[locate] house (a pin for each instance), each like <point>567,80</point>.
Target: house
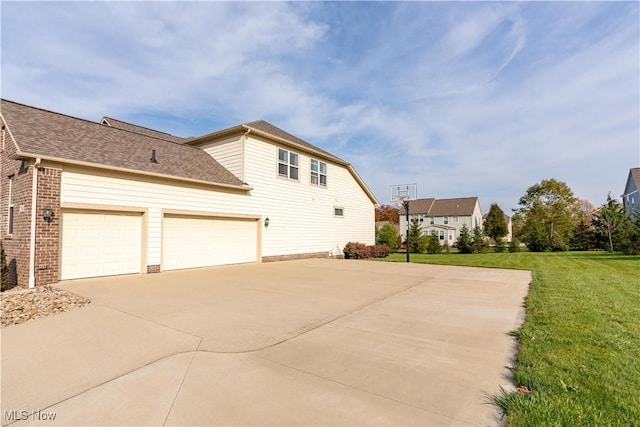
<point>83,199</point>
<point>631,196</point>
<point>443,216</point>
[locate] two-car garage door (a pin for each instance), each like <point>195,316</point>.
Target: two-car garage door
<point>96,243</point>
<point>190,241</point>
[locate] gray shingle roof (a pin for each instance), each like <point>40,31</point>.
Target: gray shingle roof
<point>52,135</point>
<point>635,174</point>
<point>266,127</point>
<point>119,124</point>
<point>443,207</point>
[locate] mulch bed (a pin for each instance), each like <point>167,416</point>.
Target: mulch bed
<point>19,305</point>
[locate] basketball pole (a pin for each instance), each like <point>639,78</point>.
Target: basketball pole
<point>406,210</point>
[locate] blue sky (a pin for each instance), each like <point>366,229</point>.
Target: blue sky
<point>465,99</point>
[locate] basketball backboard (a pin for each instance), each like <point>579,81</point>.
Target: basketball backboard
<point>401,192</point>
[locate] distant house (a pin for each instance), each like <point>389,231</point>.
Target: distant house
<point>445,217</point>
<point>84,199</point>
<point>631,196</point>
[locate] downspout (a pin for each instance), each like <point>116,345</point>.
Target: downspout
<point>244,139</point>
<point>34,211</point>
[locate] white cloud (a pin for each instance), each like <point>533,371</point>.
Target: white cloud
<point>464,98</point>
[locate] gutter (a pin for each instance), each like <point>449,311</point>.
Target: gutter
<point>20,155</point>
<point>34,211</point>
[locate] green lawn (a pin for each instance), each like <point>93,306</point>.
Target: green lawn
<point>579,352</point>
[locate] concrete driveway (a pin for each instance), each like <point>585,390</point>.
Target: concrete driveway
<point>311,342</point>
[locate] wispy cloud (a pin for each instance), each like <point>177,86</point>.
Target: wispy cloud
<point>478,99</point>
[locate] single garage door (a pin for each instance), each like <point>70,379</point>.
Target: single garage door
<point>189,242</point>
<point>100,244</point>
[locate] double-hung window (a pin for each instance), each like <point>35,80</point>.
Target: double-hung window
<point>318,173</point>
<point>12,191</point>
<point>287,164</point>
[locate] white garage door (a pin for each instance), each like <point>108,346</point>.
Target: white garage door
<point>189,242</point>
<point>100,244</point>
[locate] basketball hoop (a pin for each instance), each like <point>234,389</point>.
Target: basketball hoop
<point>401,194</point>
<point>400,200</point>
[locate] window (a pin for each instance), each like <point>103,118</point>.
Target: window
<point>441,234</point>
<point>446,220</point>
<point>338,212</point>
<point>287,164</point>
<point>455,219</point>
<point>318,173</point>
<point>11,201</point>
<point>431,220</point>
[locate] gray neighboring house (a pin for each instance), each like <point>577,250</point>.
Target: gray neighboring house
<point>631,195</point>
<point>444,216</point>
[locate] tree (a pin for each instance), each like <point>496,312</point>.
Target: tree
<point>608,219</point>
<point>417,241</point>
<point>433,243</point>
<point>549,215</point>
<point>388,213</point>
<point>388,235</point>
<point>629,234</point>
<point>479,245</point>
<point>584,237</point>
<point>464,240</point>
<point>495,226</point>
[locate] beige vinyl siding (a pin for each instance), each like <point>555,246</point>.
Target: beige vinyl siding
<point>102,189</point>
<point>228,153</point>
<point>301,214</point>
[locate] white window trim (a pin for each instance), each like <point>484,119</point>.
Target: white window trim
<point>318,173</point>
<point>289,164</point>
<point>11,206</point>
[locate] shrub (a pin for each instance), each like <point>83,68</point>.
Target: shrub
<point>4,270</point>
<point>500,245</point>
<point>355,250</point>
<point>514,245</point>
<point>380,251</point>
<point>479,245</point>
<point>433,244</point>
<point>464,241</point>
<point>629,236</point>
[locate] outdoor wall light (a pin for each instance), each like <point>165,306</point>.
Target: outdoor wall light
<point>266,222</point>
<point>47,213</point>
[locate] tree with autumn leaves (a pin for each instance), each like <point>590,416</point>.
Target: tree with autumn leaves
<point>388,213</point>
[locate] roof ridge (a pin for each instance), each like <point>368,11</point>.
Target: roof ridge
<point>138,126</point>
<point>96,123</point>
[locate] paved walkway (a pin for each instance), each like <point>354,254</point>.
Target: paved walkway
<point>311,342</point>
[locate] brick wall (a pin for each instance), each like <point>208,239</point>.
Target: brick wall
<point>16,245</point>
<point>48,232</point>
<point>153,268</point>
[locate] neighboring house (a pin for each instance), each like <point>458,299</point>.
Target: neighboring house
<point>631,196</point>
<point>444,217</point>
<point>84,199</point>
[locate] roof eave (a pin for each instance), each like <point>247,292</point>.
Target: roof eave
<point>23,155</point>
